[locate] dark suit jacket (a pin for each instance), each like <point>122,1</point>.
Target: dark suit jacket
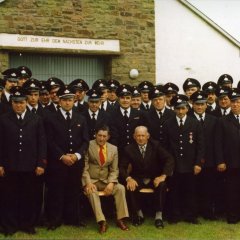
<point>156,124</point>
<point>63,139</point>
<point>217,112</point>
<point>102,119</point>
<point>82,107</point>
<point>40,111</point>
<point>23,145</point>
<point>142,107</point>
<point>209,130</point>
<point>227,141</point>
<point>186,144</point>
<point>122,131</point>
<point>157,161</point>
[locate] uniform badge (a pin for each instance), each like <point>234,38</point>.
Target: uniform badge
<point>191,137</point>
<point>78,125</point>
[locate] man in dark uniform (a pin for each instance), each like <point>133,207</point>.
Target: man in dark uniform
<point>206,180</point>
<point>184,140</point>
<point>80,87</point>
<point>44,97</point>
<point>10,79</point>
<point>159,114</point>
<point>136,98</point>
<point>151,165</point>
<point>190,86</point>
<point>210,89</point>
<point>227,141</point>
<point>24,74</point>
<point>145,87</point>
<point>223,102</point>
<point>225,80</point>
<point>101,85</point>
<point>170,90</point>
<point>67,137</point>
<point>53,85</point>
<point>22,160</point>
<point>93,115</point>
<point>32,87</point>
<point>112,86</point>
<point>125,119</point>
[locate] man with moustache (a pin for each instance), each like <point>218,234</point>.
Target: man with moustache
<point>136,98</point>
<point>145,87</point>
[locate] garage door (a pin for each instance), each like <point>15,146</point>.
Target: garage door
<point>65,67</point>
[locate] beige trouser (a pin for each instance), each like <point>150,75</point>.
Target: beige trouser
<point>119,197</point>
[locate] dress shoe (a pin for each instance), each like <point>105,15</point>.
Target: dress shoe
<point>53,226</point>
<point>192,221</point>
<point>137,221</point>
<point>103,227</point>
<point>30,230</point>
<point>120,223</point>
<point>159,223</point>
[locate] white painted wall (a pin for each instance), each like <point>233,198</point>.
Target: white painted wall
<point>186,46</point>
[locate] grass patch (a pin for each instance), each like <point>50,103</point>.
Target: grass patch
<point>218,230</point>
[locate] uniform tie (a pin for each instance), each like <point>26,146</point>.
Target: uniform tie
<point>201,119</point>
<point>181,123</point>
<point>237,117</point>
<point>93,116</point>
<point>126,115</point>
<point>160,114</point>
<point>34,110</point>
<point>101,155</point>
<point>20,119</point>
<point>147,106</point>
<point>224,112</point>
<point>68,119</point>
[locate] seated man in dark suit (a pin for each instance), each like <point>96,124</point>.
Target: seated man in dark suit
<point>151,165</point>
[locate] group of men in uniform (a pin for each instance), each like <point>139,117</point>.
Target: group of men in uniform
<point>124,138</point>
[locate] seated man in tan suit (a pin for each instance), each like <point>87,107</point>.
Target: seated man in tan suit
<point>101,174</point>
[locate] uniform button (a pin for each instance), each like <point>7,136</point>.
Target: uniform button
<point>127,130</point>
<point>160,132</point>
<point>20,130</point>
<point>127,136</point>
<point>69,130</point>
<point>20,150</point>
<point>160,126</point>
<point>70,149</point>
<point>127,142</point>
<point>20,136</point>
<point>180,135</point>
<point>181,154</point>
<point>70,136</point>
<point>20,143</point>
<point>180,141</point>
<point>71,143</point>
<point>181,148</point>
<point>127,124</point>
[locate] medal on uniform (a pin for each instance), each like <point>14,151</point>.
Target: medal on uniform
<point>191,137</point>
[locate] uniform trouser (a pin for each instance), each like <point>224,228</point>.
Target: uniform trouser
<point>18,201</point>
<point>206,185</point>
<point>119,197</point>
<point>158,198</point>
<point>62,200</point>
<point>182,196</point>
<point>233,193</point>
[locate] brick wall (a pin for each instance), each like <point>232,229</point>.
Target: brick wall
<point>130,21</point>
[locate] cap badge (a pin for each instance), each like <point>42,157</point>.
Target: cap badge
<point>52,83</point>
<point>66,91</point>
<point>124,90</point>
<point>100,85</point>
<point>79,84</point>
<point>221,91</point>
<point>199,97</point>
<point>23,71</point>
<point>13,75</point>
<point>156,91</point>
<point>189,83</point>
<point>234,94</point>
<point>112,85</point>
<point>32,85</point>
<point>17,93</point>
<point>145,86</point>
<point>225,79</point>
<point>135,91</point>
<point>170,88</point>
<point>210,87</point>
<point>94,95</point>
<point>179,100</point>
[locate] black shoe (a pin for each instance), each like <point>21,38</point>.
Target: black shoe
<point>137,221</point>
<point>30,230</point>
<point>159,223</point>
<point>53,226</point>
<point>192,221</point>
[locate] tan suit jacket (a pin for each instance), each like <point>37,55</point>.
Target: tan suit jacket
<point>94,172</point>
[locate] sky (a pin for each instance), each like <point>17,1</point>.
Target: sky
<point>225,13</point>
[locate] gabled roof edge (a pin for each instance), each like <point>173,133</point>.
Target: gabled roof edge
<point>210,22</point>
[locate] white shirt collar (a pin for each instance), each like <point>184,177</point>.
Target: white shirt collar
<point>30,107</point>
<point>148,103</point>
<point>7,94</point>
<point>96,113</point>
<point>198,117</point>
<point>64,113</point>
<point>22,115</point>
<point>183,119</point>
<point>123,111</point>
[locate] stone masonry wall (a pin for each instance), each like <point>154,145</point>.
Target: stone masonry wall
<point>130,21</point>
